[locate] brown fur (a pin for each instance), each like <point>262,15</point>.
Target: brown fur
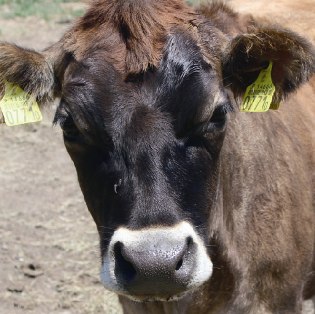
<point>27,68</point>
<point>252,51</point>
<point>298,15</point>
<point>277,221</point>
<point>264,233</point>
<point>225,19</point>
<point>263,225</point>
<point>133,32</point>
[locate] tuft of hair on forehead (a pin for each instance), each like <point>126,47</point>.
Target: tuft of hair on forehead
<point>133,30</point>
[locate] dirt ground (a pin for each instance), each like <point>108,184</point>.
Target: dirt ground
<point>49,258</point>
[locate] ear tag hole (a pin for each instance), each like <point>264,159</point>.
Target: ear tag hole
<point>18,107</point>
<point>258,95</point>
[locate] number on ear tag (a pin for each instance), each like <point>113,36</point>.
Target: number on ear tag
<point>258,95</point>
<point>18,107</point>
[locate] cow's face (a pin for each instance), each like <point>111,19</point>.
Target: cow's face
<point>147,146</point>
<point>146,152</point>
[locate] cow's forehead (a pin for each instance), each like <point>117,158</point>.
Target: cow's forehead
<point>98,95</point>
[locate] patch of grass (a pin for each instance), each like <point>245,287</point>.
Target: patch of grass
<point>193,1</point>
<point>46,9</point>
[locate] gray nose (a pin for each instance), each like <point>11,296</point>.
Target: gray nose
<point>160,266</point>
<point>156,263</point>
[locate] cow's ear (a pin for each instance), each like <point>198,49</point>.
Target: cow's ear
<point>34,72</point>
<point>292,56</point>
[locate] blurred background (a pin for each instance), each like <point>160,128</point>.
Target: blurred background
<point>49,255</point>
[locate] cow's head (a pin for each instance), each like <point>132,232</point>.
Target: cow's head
<point>144,107</point>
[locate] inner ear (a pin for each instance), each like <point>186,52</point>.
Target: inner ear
<point>292,56</point>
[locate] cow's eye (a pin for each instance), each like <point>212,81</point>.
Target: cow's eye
<point>218,120</point>
<point>65,120</point>
<point>70,131</point>
<point>215,124</point>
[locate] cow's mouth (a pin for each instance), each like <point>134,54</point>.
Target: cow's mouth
<point>156,264</point>
<point>156,298</point>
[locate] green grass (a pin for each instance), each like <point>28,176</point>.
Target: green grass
<point>46,9</point>
<point>194,1</point>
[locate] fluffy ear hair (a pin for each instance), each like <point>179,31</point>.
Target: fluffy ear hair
<point>36,73</point>
<point>293,60</point>
<point>28,69</point>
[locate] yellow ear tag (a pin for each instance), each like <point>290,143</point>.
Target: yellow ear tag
<point>18,107</point>
<point>258,95</point>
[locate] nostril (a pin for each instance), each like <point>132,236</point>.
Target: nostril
<point>179,264</point>
<point>189,243</point>
<point>124,270</point>
<point>185,253</point>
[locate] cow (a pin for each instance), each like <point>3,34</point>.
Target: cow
<point>200,208</point>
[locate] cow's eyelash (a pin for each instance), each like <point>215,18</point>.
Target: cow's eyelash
<point>59,119</point>
<point>65,121</point>
<point>227,107</point>
<point>216,122</point>
<point>61,114</point>
<point>63,117</point>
